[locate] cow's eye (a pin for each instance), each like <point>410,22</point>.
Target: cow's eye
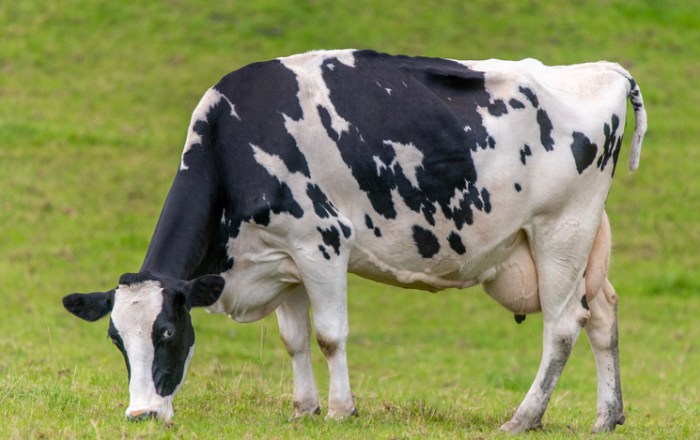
<point>168,333</point>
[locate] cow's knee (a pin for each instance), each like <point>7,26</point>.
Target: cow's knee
<point>332,339</point>
<point>328,344</point>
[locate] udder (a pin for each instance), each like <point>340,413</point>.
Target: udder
<point>514,284</point>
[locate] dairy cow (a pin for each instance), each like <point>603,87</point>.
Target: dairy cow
<point>419,172</point>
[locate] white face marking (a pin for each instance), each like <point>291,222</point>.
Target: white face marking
<point>135,310</point>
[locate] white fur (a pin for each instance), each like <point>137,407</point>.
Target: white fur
<point>135,309</point>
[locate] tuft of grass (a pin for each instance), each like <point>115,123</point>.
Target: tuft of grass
<point>95,102</point>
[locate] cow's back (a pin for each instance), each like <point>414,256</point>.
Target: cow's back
<point>429,166</point>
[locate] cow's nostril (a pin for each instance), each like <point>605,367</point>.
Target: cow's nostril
<point>140,415</point>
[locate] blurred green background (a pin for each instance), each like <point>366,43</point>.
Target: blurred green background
<point>95,100</point>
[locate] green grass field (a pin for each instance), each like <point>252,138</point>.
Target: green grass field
<point>95,100</point>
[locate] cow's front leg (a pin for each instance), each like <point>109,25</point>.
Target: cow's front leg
<point>602,335</point>
<point>330,311</point>
<point>295,331</point>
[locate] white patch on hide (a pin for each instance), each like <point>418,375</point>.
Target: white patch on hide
<point>271,162</point>
<point>386,89</point>
<point>457,199</point>
<point>209,100</point>
<point>410,158</point>
<point>308,68</point>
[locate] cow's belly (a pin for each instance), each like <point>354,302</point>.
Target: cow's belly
<point>265,268</point>
<point>431,279</point>
<point>391,263</point>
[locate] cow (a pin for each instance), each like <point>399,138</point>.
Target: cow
<point>417,172</point>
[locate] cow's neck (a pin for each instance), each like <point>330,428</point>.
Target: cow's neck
<point>187,227</point>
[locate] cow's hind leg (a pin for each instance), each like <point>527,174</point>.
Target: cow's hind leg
<point>602,331</point>
<point>560,334</point>
<point>560,257</point>
<point>295,331</point>
<point>602,335</point>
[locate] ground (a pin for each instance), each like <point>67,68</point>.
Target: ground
<point>96,102</point>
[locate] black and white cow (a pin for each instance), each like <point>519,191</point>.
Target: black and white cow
<point>418,172</point>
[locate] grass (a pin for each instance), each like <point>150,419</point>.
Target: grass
<point>95,99</point>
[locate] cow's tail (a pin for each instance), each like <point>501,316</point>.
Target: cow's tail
<point>640,123</point>
<point>640,118</point>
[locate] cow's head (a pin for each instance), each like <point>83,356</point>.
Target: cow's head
<point>150,325</point>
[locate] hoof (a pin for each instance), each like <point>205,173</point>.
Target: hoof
<point>607,424</point>
<point>515,426</point>
<point>300,412</point>
<point>142,415</point>
<point>342,415</point>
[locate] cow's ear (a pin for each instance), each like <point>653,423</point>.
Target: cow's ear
<point>89,306</point>
<point>204,291</point>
